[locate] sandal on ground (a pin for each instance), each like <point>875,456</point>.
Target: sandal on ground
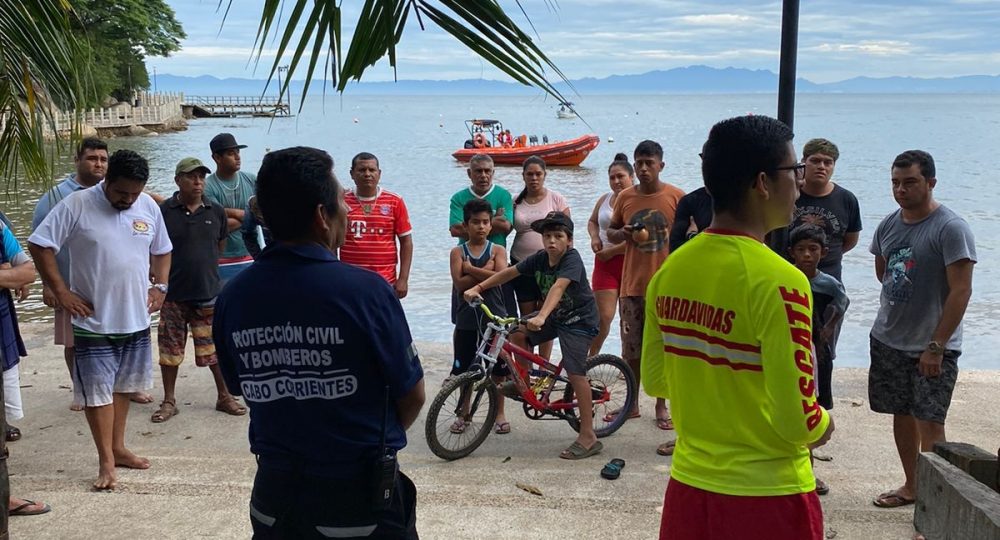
<point>822,488</point>
<point>610,417</point>
<point>666,424</point>
<point>501,428</point>
<point>140,397</point>
<point>229,405</point>
<point>168,409</point>
<point>13,434</point>
<point>25,508</point>
<point>458,427</point>
<point>613,469</point>
<point>577,451</point>
<point>892,499</point>
<point>666,449</point>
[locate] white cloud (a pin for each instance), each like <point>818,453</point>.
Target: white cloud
<point>869,47</point>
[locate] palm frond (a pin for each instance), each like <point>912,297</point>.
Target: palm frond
<point>480,25</point>
<point>37,77</point>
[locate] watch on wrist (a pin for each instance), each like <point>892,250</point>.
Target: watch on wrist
<point>935,347</point>
<point>162,287</point>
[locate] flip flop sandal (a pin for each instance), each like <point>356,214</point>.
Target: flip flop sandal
<point>577,451</point>
<point>166,411</point>
<point>613,469</point>
<point>666,449</point>
<point>666,424</point>
<point>458,427</point>
<point>892,499</point>
<point>501,428</point>
<point>13,434</point>
<point>822,488</point>
<point>610,417</point>
<point>22,510</point>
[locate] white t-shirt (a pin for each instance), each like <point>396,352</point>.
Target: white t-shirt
<point>110,251</point>
<point>526,241</point>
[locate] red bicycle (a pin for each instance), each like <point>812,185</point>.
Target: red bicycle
<point>462,414</point>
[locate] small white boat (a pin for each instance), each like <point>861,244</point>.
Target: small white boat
<point>565,111</point>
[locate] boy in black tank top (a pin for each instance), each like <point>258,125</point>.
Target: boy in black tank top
<point>471,263</point>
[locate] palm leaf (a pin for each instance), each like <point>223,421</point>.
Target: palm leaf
<point>37,77</point>
<point>481,25</point>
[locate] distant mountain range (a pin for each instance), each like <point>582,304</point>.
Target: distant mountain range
<point>686,80</point>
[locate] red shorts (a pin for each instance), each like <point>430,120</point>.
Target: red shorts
<point>607,274</point>
<point>690,513</point>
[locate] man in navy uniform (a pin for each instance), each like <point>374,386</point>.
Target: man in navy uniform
<point>322,353</point>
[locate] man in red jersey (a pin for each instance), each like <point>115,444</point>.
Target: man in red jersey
<point>376,218</point>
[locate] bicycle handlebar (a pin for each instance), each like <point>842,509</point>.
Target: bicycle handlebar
<point>478,302</point>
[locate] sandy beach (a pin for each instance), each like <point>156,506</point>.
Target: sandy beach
<point>202,471</point>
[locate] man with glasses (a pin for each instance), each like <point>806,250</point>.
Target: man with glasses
<point>725,312</point>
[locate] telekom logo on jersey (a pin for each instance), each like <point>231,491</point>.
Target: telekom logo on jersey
<point>800,327</point>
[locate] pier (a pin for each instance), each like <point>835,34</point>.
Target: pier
<point>231,106</point>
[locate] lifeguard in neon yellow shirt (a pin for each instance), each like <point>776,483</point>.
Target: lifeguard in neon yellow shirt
<point>727,340</point>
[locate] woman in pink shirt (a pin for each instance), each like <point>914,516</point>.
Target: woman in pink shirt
<point>533,203</point>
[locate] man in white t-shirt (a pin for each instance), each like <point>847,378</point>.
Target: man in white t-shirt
<point>115,235</point>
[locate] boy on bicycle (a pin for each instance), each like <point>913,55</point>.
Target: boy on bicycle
<point>568,313</point>
<point>472,262</point>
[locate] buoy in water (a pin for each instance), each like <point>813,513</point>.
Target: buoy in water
<point>611,139</point>
<point>355,120</point>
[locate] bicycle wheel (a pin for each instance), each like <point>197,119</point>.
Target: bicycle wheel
<point>468,399</point>
<point>610,373</point>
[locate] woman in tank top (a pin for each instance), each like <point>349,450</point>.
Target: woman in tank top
<point>533,203</point>
<point>608,257</point>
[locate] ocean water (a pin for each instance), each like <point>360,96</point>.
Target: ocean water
<point>415,136</point>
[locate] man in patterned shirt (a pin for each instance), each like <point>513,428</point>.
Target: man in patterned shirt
<point>376,218</point>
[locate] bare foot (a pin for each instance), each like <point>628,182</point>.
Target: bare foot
<point>75,407</point>
<point>141,397</point>
<point>106,479</point>
<point>125,458</point>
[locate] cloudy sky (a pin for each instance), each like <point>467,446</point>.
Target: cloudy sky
<point>838,39</point>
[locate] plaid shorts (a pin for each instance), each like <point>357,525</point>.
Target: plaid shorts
<point>896,387</point>
<point>175,317</point>
<point>108,364</point>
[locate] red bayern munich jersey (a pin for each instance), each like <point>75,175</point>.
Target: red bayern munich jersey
<point>372,227</point>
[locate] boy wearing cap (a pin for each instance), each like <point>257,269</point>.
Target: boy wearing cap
<point>569,313</point>
<point>197,230</point>
<point>230,188</point>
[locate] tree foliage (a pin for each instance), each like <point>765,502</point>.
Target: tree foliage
<point>120,35</point>
<point>38,72</point>
<point>480,25</point>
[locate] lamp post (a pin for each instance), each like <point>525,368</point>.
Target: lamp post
<point>777,240</point>
<point>281,91</point>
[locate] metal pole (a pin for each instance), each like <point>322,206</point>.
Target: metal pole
<point>789,52</point>
<point>778,239</point>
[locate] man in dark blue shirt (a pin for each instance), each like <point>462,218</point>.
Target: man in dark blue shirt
<point>322,353</point>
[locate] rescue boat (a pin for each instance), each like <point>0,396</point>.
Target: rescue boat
<point>490,138</point>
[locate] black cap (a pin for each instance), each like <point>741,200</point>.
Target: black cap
<point>224,141</point>
<point>553,218</point>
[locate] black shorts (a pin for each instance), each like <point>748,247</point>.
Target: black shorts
<point>526,288</point>
<point>466,344</point>
<point>824,382</point>
<point>574,345</point>
<point>896,387</point>
<point>305,506</point>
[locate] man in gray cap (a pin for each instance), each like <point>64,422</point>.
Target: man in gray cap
<point>230,188</point>
<point>197,229</point>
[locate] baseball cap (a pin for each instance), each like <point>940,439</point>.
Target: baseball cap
<point>553,218</point>
<point>189,164</point>
<point>224,141</point>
